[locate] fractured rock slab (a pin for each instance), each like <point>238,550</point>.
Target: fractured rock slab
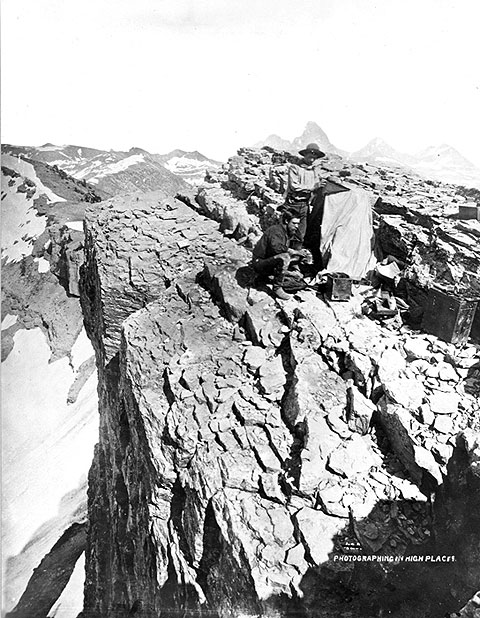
<point>318,532</point>
<point>353,456</point>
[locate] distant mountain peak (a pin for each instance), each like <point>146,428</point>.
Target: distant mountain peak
<point>312,132</point>
<point>313,127</point>
<point>378,141</point>
<point>137,150</point>
<point>442,162</point>
<point>378,150</point>
<point>439,150</point>
<point>275,141</point>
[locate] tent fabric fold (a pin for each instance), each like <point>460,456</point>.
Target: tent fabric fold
<point>347,238</point>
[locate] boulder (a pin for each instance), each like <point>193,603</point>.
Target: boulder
<point>397,422</point>
<point>318,532</point>
<point>352,457</point>
<point>443,403</point>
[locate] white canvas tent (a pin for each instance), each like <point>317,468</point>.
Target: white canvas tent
<point>347,238</point>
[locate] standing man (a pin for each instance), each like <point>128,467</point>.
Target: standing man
<point>273,254</point>
<point>303,180</point>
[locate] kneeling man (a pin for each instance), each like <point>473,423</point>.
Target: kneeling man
<point>272,255</point>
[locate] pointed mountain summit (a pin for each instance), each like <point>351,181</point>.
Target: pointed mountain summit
<point>136,150</point>
<point>379,152</point>
<point>179,153</point>
<point>311,133</point>
<point>445,163</point>
<point>275,141</point>
<point>442,162</point>
<point>443,155</point>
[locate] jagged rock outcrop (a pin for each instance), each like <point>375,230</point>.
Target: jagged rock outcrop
<point>416,221</point>
<point>425,212</point>
<point>47,226</point>
<point>49,411</point>
<point>243,441</point>
<point>40,302</point>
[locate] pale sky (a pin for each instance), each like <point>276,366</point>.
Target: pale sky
<point>214,75</point>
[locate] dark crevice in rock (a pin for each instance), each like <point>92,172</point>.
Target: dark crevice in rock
<point>231,595</point>
<point>177,513</point>
<point>167,389</point>
<point>212,549</point>
<point>176,600</point>
<point>293,465</point>
<point>124,427</point>
<point>209,281</point>
<point>222,445</point>
<point>121,494</point>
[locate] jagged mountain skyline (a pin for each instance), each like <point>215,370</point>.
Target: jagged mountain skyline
<point>110,170</point>
<point>222,81</point>
<point>441,162</point>
<point>101,168</point>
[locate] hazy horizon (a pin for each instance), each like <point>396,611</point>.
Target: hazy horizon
<point>215,76</point>
<point>207,154</point>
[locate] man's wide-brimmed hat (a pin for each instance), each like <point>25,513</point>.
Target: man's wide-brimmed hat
<point>312,148</point>
<point>288,214</point>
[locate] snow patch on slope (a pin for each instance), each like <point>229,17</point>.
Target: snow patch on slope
<point>85,173</point>
<point>114,168</point>
<point>81,351</point>
<point>21,224</point>
<point>47,443</point>
<point>178,164</point>
<point>50,148</point>
<point>27,170</point>
<point>191,170</point>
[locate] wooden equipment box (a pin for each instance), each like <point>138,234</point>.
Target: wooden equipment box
<point>448,316</point>
<point>470,210</point>
<point>338,286</point>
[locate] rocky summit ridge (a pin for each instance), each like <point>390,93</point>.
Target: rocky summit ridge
<point>248,444</point>
<point>251,449</point>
